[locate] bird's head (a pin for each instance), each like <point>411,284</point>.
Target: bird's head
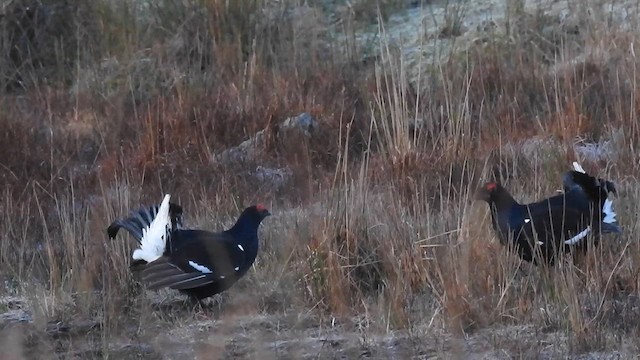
<point>488,192</point>
<point>249,221</point>
<point>255,214</point>
<point>261,211</point>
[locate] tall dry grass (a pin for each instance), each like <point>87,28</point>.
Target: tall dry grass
<point>375,228</point>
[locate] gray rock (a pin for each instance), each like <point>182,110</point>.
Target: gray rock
<point>14,311</point>
<point>604,150</point>
<point>303,124</point>
<point>15,316</point>
<point>245,151</point>
<point>274,178</point>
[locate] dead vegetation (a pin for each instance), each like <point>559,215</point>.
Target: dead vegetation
<point>376,250</point>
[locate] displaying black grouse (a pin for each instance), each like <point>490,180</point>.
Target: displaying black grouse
<point>195,262</point>
<point>539,231</point>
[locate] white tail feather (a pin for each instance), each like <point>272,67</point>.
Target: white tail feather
<point>154,237</point>
<point>578,168</point>
<point>609,214</point>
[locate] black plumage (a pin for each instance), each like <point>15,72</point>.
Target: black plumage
<point>541,230</point>
<point>195,262</point>
<point>592,194</point>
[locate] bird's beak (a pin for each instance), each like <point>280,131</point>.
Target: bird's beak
<point>266,213</point>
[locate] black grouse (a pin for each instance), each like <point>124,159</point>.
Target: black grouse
<point>196,262</point>
<point>540,230</point>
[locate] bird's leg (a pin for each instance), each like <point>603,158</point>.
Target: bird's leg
<point>200,308</point>
<point>195,303</point>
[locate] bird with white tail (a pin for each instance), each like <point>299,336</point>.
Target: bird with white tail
<point>558,224</point>
<point>198,263</point>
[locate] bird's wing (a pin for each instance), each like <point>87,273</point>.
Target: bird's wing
<point>163,273</point>
<point>553,224</point>
<point>196,263</point>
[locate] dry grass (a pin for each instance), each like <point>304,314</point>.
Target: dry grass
<point>376,249</point>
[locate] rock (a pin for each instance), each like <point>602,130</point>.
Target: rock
<point>15,316</point>
<point>290,130</point>
<point>487,25</point>
<point>535,148</point>
<point>603,150</point>
<point>243,152</point>
<point>275,178</point>
<point>303,124</point>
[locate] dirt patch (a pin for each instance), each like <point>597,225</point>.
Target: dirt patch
<point>210,334</point>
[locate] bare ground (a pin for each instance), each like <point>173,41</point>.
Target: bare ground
<point>174,329</point>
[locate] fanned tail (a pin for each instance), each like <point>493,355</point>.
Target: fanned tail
<point>151,227</point>
<point>142,219</point>
<point>609,222</point>
<point>598,190</point>
<point>154,237</point>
